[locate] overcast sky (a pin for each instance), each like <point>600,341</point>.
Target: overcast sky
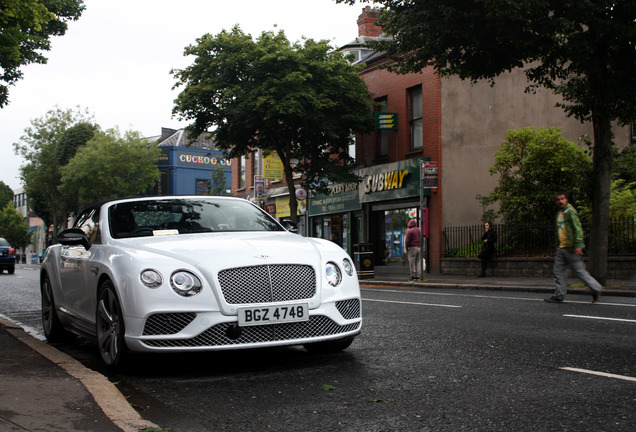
<point>116,59</point>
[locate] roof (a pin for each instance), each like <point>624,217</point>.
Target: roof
<point>181,138</point>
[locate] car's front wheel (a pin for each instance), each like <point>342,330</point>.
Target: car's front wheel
<point>53,329</point>
<point>330,346</point>
<point>110,326</point>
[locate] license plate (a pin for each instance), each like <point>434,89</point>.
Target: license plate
<point>262,315</point>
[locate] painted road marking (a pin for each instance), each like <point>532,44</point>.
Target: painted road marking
<point>402,290</point>
<point>603,374</point>
<point>600,318</point>
<point>412,303</point>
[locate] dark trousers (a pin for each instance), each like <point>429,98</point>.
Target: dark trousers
<point>485,257</point>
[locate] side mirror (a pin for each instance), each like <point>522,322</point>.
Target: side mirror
<point>290,226</point>
<point>74,237</point>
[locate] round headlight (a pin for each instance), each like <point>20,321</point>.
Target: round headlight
<point>151,278</point>
<point>333,274</point>
<point>185,283</point>
<point>348,267</point>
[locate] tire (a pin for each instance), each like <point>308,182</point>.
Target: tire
<point>329,347</point>
<point>11,270</point>
<point>53,328</point>
<point>110,329</point>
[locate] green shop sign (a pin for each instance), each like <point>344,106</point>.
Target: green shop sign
<point>391,181</point>
<point>379,183</point>
<point>342,197</point>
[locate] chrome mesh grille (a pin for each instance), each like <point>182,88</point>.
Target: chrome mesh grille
<point>267,283</point>
<point>349,309</point>
<point>216,335</point>
<point>167,323</point>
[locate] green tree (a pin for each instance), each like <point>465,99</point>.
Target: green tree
<point>111,165</point>
<point>13,227</point>
<point>624,166</point>
<point>6,194</point>
<point>218,185</point>
<point>40,146</point>
<point>25,29</point>
<point>533,164</point>
<point>623,199</point>
<point>582,51</point>
<point>303,101</point>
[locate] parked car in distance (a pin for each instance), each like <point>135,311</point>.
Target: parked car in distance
<point>195,273</point>
<point>7,257</point>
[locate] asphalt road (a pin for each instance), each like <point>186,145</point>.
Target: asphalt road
<point>428,360</point>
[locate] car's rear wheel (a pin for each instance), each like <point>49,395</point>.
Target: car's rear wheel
<point>11,270</point>
<point>53,329</point>
<point>331,346</point>
<point>110,326</point>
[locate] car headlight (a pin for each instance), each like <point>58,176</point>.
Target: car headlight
<point>185,283</point>
<point>333,274</point>
<point>151,278</point>
<point>348,267</point>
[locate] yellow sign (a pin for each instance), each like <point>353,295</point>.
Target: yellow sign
<point>272,167</point>
<point>282,206</point>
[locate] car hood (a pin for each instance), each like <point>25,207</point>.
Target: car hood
<point>225,250</point>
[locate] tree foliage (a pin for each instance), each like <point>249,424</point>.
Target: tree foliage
<point>582,51</point>
<point>42,150</point>
<point>26,27</point>
<point>303,101</point>
<point>13,227</point>
<point>6,194</point>
<point>110,165</point>
<point>533,164</point>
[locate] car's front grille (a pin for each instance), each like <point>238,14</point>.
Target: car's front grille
<point>267,283</point>
<point>167,323</point>
<point>217,335</point>
<point>349,309</point>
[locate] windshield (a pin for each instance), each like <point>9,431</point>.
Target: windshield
<point>186,216</point>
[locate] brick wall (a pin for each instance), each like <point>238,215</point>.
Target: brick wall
<point>623,268</point>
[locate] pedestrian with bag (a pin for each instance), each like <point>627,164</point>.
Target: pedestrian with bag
<point>569,237</point>
<point>489,238</point>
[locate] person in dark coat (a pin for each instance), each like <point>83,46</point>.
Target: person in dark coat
<point>488,247</point>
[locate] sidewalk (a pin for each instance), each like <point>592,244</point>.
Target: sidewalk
<point>625,288</point>
<point>43,389</point>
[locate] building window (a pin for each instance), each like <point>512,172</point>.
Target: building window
<point>383,134</point>
<point>352,148</point>
<point>415,117</point>
<point>241,184</point>
<point>203,187</point>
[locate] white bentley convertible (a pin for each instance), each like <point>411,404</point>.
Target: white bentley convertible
<point>187,273</point>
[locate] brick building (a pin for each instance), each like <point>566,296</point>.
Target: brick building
<point>454,123</point>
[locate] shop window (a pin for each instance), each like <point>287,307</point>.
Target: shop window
<point>415,117</point>
<point>203,187</point>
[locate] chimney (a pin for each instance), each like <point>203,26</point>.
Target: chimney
<point>366,22</point>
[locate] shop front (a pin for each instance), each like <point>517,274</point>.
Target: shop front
<point>337,216</point>
<point>373,212</point>
<point>390,196</point>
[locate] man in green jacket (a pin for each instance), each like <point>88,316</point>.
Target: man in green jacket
<point>570,241</point>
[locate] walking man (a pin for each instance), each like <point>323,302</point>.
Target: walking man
<point>570,240</point>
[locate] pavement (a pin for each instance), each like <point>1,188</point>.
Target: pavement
<point>44,389</point>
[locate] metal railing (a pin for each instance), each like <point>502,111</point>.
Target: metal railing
<point>533,240</point>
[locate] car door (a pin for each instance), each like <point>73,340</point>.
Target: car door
<point>77,269</point>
